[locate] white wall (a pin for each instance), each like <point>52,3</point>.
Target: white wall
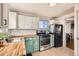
<point>68,27</point>
<point>52,21</point>
<point>76,9</point>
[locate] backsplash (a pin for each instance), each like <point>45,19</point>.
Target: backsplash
<point>22,32</point>
<point>3,30</point>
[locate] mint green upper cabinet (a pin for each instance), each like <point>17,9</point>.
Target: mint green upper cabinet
<point>36,43</point>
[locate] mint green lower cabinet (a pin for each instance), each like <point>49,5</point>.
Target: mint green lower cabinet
<point>52,40</point>
<point>32,44</point>
<point>29,45</point>
<point>36,43</point>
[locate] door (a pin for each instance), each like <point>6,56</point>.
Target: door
<point>12,20</point>
<point>35,22</point>
<point>78,33</point>
<point>21,21</point>
<point>29,45</point>
<point>24,22</point>
<point>36,43</point>
<point>70,34</point>
<point>28,22</point>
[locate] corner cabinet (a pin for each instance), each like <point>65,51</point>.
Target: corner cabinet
<point>32,44</point>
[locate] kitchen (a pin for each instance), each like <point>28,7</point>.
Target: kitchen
<point>24,32</point>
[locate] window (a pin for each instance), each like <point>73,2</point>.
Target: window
<point>43,24</point>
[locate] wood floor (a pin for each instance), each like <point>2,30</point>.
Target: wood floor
<point>61,51</point>
<point>70,44</point>
<point>17,49</point>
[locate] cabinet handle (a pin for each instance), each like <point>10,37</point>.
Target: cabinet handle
<point>5,21</point>
<point>77,38</point>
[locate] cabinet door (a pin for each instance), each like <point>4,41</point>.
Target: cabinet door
<point>0,14</point>
<point>35,22</point>
<point>28,22</point>
<point>77,35</point>
<point>5,14</point>
<point>21,21</point>
<point>12,20</point>
<point>24,22</point>
<point>29,45</point>
<point>36,43</point>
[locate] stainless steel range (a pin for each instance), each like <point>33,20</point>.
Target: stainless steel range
<point>44,39</point>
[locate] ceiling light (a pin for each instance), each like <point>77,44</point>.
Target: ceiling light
<point>51,4</point>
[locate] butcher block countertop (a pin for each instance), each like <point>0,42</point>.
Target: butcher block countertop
<point>27,36</point>
<point>12,49</point>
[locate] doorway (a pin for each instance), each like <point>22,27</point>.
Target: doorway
<point>70,33</point>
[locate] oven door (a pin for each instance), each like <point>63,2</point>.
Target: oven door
<point>44,42</point>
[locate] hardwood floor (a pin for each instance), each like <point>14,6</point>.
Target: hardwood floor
<point>70,44</point>
<point>17,49</point>
<point>61,51</point>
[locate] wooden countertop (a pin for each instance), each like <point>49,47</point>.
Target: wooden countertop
<point>27,36</point>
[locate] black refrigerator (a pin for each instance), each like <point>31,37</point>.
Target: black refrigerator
<point>57,31</point>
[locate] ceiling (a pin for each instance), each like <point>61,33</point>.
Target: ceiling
<point>42,9</point>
